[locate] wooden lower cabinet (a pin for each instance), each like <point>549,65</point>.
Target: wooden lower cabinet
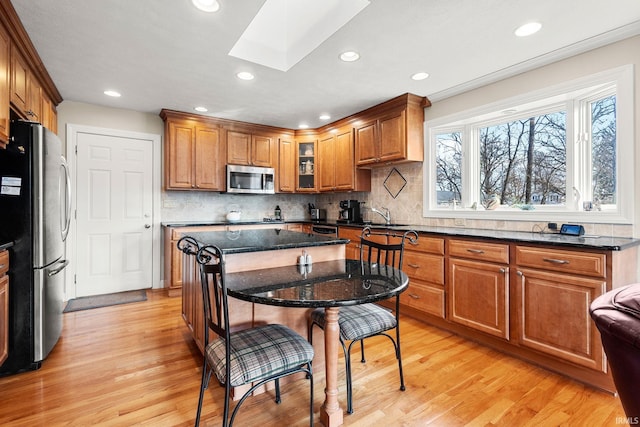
<point>530,301</point>
<point>553,316</point>
<point>554,289</point>
<point>424,264</point>
<point>478,286</point>
<point>478,296</point>
<point>4,305</point>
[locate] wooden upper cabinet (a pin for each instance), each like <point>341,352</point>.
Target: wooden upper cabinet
<point>287,169</point>
<point>250,150</point>
<point>19,82</point>
<point>262,148</point>
<point>209,168</point>
<point>392,132</point>
<point>26,90</point>
<point>194,155</point>
<point>5,85</point>
<point>336,165</point>
<point>238,148</point>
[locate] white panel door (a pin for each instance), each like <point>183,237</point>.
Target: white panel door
<point>114,213</point>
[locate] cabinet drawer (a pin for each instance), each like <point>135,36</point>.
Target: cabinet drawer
<point>576,262</point>
<point>4,262</point>
<point>423,297</point>
<point>425,244</point>
<point>475,250</point>
<point>429,268</point>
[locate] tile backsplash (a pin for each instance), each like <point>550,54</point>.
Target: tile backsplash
<point>406,208</point>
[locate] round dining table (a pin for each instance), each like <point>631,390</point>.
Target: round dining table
<point>329,284</point>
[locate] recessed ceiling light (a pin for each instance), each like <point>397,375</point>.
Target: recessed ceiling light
<point>528,29</point>
<point>112,93</point>
<point>349,56</point>
<point>420,76</point>
<point>324,117</point>
<point>206,5</point>
<point>303,126</point>
<point>201,109</point>
<point>245,75</point>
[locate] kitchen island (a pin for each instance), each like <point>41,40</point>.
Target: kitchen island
<point>247,250</point>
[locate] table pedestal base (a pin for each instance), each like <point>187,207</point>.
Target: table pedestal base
<point>331,413</point>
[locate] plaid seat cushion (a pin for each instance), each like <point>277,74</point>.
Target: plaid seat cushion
<point>359,321</point>
<point>259,352</point>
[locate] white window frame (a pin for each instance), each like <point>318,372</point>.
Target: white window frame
<point>570,96</point>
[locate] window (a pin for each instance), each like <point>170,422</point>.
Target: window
<point>558,151</point>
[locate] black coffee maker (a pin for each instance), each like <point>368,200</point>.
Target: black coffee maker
<point>350,212</point>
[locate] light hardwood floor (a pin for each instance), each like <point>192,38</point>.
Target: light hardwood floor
<point>135,364</point>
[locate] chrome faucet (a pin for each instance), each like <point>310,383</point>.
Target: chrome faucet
<point>386,216</point>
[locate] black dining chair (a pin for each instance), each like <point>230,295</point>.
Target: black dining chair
<point>358,322</point>
<point>251,356</point>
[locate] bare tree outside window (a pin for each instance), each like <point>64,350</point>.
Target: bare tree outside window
<point>603,150</point>
<point>523,162</point>
<point>449,168</point>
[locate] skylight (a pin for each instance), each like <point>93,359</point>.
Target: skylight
<point>285,31</point>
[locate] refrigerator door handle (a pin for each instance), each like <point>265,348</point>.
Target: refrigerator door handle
<point>67,216</point>
<point>63,263</point>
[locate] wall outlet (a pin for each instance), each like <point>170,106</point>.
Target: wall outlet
<point>460,222</point>
<point>552,225</point>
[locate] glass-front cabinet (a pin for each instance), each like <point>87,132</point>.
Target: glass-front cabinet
<point>306,166</point>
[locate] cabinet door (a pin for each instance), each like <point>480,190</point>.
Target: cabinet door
<point>326,163</point>
<point>262,151</point>
<point>393,144</point>
<point>554,316</point>
<point>19,84</point>
<point>209,166</point>
<point>179,173</point>
<point>5,86</point>
<point>34,105</point>
<point>238,148</point>
<point>287,166</point>
<point>306,175</point>
<point>344,165</point>
<point>478,296</point>
<point>367,143</point>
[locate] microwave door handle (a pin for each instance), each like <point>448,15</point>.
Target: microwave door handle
<point>264,181</point>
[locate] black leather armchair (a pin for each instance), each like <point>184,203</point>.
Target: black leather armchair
<point>617,317</point>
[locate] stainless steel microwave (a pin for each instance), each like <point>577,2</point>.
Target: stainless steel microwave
<point>250,180</point>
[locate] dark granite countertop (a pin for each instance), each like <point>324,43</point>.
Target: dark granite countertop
<point>6,245</point>
<point>231,242</point>
<point>610,243</point>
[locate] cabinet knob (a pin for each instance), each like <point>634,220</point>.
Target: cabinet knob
<point>147,226</point>
<point>502,270</point>
<point>519,273</point>
<point>414,296</point>
<point>414,265</point>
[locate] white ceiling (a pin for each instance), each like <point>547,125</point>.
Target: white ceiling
<point>166,54</point>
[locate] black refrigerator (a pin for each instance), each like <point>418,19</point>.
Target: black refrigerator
<point>35,202</point>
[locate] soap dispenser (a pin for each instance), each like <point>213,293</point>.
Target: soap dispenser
<point>278,213</point>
